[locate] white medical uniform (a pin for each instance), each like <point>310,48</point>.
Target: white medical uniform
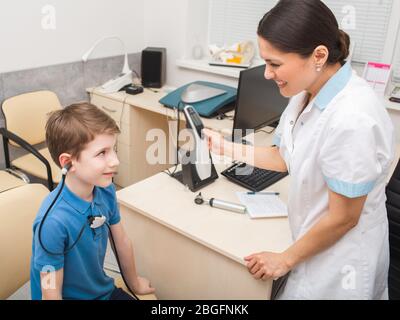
<point>342,141</point>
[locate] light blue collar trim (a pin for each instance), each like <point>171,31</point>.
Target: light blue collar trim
<point>333,86</point>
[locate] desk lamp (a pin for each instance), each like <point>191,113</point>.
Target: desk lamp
<point>119,81</point>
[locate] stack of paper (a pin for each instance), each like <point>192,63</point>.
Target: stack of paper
<point>263,205</point>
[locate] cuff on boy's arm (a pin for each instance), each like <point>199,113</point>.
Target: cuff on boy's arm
<point>115,220</point>
<point>49,267</point>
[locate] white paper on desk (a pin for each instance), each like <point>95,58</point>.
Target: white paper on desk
<point>263,205</point>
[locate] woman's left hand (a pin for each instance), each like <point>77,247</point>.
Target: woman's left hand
<point>267,265</point>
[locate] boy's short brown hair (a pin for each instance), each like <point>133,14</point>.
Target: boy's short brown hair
<point>70,129</point>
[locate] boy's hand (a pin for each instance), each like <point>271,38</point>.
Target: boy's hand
<point>142,286</point>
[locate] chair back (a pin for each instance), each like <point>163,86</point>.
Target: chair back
<point>18,209</point>
<point>26,114</point>
<point>393,210</point>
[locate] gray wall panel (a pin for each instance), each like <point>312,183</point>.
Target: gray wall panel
<point>69,81</point>
<point>65,80</point>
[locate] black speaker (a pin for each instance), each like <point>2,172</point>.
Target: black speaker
<point>153,67</point>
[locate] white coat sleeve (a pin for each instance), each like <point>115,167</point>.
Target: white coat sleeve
<point>349,157</point>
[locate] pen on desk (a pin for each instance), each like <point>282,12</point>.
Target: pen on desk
<point>264,193</point>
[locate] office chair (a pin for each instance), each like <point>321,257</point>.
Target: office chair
<point>10,180</point>
<point>25,119</point>
<point>18,208</point>
<point>393,210</point>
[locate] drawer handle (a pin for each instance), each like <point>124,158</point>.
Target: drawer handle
<point>108,109</point>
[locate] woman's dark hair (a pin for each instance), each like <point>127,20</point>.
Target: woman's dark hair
<point>299,26</point>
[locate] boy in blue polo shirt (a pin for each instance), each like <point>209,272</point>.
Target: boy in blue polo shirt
<point>68,257</point>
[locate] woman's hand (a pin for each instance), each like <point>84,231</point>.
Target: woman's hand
<point>267,265</point>
<point>216,142</point>
<point>142,286</point>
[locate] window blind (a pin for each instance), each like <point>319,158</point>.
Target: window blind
<point>232,21</point>
<point>396,62</point>
<point>366,21</point>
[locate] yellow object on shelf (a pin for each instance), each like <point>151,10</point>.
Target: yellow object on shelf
<point>235,59</point>
<point>237,54</point>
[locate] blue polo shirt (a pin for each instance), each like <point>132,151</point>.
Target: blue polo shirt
<point>84,276</point>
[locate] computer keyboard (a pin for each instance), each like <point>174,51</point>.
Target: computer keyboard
<point>252,178</point>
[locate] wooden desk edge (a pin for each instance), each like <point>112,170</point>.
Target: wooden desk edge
<point>190,236</point>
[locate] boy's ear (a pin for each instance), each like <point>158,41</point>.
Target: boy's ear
<point>65,159</point>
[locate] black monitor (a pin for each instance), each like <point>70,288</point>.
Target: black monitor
<point>259,102</point>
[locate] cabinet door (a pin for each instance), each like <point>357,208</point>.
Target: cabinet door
<point>124,152</point>
<point>123,177</point>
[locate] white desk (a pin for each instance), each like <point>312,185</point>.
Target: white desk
<point>188,251</point>
<point>196,252</point>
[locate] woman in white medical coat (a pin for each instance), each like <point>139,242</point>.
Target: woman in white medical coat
<point>336,140</point>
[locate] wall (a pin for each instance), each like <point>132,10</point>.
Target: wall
<point>78,24</point>
<point>42,42</point>
<point>178,25</point>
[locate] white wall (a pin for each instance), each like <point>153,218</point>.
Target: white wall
<point>178,25</point>
<point>25,44</point>
<point>174,24</point>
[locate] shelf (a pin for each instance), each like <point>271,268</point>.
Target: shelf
<point>234,72</point>
<point>202,65</point>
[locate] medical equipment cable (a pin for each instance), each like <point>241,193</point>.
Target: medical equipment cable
<point>177,144</point>
<point>119,264</point>
<point>64,173</point>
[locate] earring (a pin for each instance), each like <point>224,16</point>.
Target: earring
<point>319,68</point>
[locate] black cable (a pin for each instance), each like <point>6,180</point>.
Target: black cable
<point>222,116</point>
<point>137,75</point>
<point>141,84</point>
<point>152,90</point>
<point>177,143</point>
<point>177,136</point>
<point>267,132</point>
<point>167,172</point>
<point>44,218</point>
<point>119,264</point>
<point>79,236</point>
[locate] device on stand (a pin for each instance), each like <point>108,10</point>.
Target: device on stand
<point>200,170</point>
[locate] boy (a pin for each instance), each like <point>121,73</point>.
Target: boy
<point>82,138</point>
